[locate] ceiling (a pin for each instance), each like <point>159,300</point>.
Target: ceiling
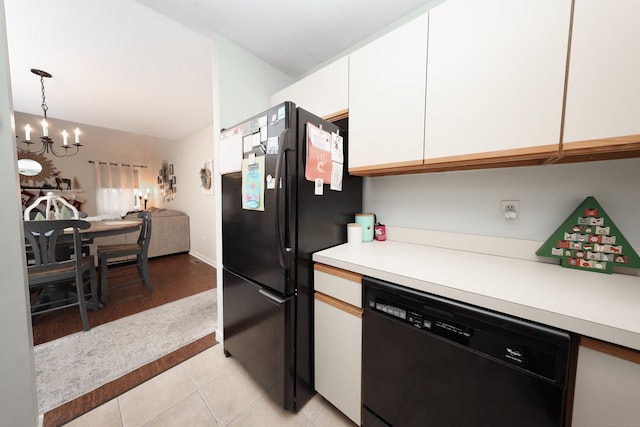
<point>144,66</point>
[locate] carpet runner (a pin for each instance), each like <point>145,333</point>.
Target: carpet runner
<point>73,365</point>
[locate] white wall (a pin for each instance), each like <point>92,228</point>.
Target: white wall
<point>245,83</point>
<point>469,201</point>
<point>18,402</point>
<point>188,157</point>
<point>102,144</point>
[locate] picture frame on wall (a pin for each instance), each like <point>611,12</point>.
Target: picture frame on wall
<point>171,169</point>
<point>173,180</point>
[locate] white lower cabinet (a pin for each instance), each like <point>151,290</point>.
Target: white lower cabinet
<point>338,344</point>
<point>607,386</point>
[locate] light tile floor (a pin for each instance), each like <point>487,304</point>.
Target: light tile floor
<point>207,390</point>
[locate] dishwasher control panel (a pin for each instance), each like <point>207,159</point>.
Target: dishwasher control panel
<point>423,320</point>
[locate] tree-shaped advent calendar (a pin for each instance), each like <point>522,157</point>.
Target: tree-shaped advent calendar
<point>589,240</point>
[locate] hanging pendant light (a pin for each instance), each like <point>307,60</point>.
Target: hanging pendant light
<point>46,141</point>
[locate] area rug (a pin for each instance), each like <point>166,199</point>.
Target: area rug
<point>73,365</point>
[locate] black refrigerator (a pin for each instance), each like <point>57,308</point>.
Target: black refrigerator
<point>267,251</point>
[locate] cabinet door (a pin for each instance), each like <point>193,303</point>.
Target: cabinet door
<point>324,93</point>
<point>386,99</point>
<point>338,354</point>
<point>495,76</point>
<point>607,387</point>
<point>291,93</point>
<point>603,87</point>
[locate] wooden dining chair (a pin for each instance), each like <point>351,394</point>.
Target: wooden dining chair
<point>53,206</point>
<point>110,259</point>
<point>50,274</point>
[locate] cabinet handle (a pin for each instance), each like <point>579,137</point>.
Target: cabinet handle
<point>340,305</point>
<point>334,271</point>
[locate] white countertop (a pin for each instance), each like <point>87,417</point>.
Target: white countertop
<point>602,306</point>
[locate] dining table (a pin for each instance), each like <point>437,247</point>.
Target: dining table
<point>110,228</point>
<point>101,228</point>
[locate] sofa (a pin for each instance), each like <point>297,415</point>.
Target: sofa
<point>169,233</point>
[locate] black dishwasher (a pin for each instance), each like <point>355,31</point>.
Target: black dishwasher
<point>431,361</point>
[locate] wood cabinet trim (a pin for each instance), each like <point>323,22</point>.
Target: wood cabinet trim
<point>603,145</point>
<point>614,148</point>
<point>338,115</point>
<point>344,274</point>
<point>611,349</point>
<point>340,305</point>
<point>387,168</point>
<point>489,157</point>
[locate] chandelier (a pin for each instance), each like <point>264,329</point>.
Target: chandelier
<point>47,143</point>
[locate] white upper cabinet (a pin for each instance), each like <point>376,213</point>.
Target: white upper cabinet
<point>387,98</point>
<point>291,93</point>
<point>495,76</point>
<point>603,92</point>
<point>324,93</point>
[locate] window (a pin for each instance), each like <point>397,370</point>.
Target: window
<point>117,187</point>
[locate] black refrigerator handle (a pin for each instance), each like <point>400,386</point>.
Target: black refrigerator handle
<point>273,298</point>
<point>283,248</point>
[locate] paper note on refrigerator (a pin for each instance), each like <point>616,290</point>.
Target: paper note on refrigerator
<point>230,151</point>
<point>318,154</point>
<point>337,153</point>
<point>336,176</point>
<point>337,162</point>
<point>272,145</point>
<point>253,184</point>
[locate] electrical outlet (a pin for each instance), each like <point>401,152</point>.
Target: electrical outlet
<point>510,210</point>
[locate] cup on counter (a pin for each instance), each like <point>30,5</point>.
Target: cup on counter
<point>380,231</point>
<point>366,220</point>
<point>354,233</point>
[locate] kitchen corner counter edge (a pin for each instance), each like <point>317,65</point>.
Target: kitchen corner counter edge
<point>601,306</point>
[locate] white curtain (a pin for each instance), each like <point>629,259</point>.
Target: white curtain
<point>117,188</point>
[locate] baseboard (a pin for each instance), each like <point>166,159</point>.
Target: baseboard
<point>203,258</point>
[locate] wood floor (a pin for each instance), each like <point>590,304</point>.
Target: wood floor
<point>173,277</point>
